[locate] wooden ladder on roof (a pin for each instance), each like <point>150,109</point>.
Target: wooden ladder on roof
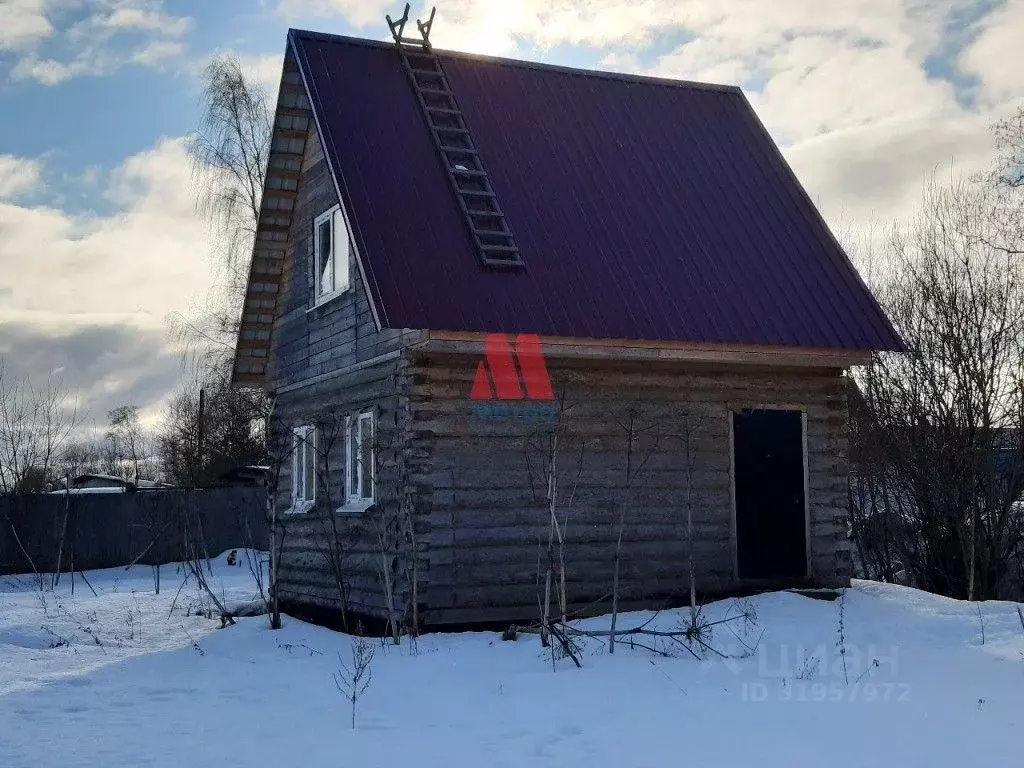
<point>466,173</point>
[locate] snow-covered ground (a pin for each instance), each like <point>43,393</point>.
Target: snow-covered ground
<point>122,679</point>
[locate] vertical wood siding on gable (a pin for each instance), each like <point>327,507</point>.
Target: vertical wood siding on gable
<point>311,341</point>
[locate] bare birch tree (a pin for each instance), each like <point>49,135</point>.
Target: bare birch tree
<point>1004,186</point>
<point>690,424</point>
<point>385,521</point>
<point>229,152</point>
<point>392,524</point>
<point>641,437</point>
<point>280,449</point>
<point>545,451</point>
<point>336,537</point>
<point>1008,165</point>
<point>195,553</point>
<point>36,422</point>
<point>78,457</point>
<point>125,434</point>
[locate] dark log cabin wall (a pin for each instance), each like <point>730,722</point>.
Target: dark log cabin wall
<point>484,466</point>
<point>329,362</point>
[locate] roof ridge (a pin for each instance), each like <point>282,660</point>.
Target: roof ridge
<point>525,64</point>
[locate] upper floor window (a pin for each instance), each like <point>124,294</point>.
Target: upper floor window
<point>303,468</point>
<point>331,254</point>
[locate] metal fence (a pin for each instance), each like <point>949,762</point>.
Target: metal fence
<point>49,532</point>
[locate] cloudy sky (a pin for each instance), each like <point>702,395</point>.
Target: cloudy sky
<point>99,241</point>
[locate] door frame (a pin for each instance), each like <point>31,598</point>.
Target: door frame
<point>731,411</point>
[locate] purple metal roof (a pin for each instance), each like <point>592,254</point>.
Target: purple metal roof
<point>643,209</point>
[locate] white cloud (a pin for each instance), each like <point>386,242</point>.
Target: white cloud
<point>866,177</point>
<point>813,72</point>
<point>141,263</point>
<point>152,18</point>
<point>361,13</point>
<point>801,97</point>
<point>265,70</point>
<point>81,289</point>
<point>863,96</point>
<point>995,56</point>
<point>18,176</point>
<point>262,70</point>
<point>488,27</point>
<point>111,17</point>
<point>111,34</point>
<point>53,72</point>
<point>24,22</point>
<point>102,364</point>
<point>157,52</point>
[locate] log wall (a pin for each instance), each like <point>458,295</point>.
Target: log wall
<point>309,564</point>
<point>487,519</point>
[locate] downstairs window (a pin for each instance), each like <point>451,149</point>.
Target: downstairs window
<point>359,472</point>
<point>303,468</point>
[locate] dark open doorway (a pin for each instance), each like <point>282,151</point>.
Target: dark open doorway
<point>768,471</point>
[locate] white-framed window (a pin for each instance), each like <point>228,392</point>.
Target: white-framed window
<point>303,468</point>
<point>359,467</point>
<point>331,249</point>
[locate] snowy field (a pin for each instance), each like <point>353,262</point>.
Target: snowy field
<point>123,679</point>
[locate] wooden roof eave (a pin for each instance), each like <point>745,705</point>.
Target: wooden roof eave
<point>553,347</point>
<point>293,118</point>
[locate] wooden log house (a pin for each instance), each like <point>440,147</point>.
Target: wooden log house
<point>459,257</point>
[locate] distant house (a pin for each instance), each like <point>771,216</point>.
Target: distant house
<point>455,250</point>
<point>99,483</point>
<point>93,480</point>
<point>251,476</point>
